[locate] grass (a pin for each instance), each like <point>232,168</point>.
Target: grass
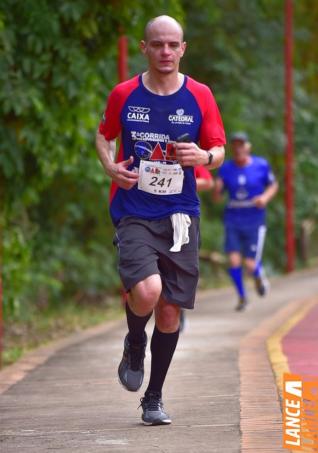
<point>51,323</point>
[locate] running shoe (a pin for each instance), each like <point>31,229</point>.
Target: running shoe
<point>131,367</point>
<point>261,285</point>
<point>153,413</point>
<point>242,304</point>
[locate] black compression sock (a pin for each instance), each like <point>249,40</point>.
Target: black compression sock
<point>136,325</point>
<point>162,348</point>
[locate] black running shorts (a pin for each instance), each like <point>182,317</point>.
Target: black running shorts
<point>143,250</point>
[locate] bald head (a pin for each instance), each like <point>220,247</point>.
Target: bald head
<point>160,22</point>
<point>163,45</point>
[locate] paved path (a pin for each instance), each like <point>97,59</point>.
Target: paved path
<point>73,402</point>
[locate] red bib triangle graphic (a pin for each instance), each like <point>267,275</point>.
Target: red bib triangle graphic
<point>157,153</point>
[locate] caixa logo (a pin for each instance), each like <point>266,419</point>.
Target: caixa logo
<point>138,113</point>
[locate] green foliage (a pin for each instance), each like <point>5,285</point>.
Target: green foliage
<point>236,47</point>
<point>57,65</point>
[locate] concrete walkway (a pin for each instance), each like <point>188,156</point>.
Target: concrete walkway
<point>73,402</point>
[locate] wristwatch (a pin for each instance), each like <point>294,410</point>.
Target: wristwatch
<point>210,155</point>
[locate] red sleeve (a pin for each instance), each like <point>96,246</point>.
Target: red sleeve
<point>110,125</point>
<point>202,172</point>
<point>212,130</point>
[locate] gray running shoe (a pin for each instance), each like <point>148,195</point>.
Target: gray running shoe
<point>242,304</point>
<point>131,367</point>
<point>153,413</point>
<point>261,285</point>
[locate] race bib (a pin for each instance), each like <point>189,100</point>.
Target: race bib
<point>159,178</point>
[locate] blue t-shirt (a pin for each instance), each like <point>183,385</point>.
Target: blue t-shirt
<point>147,125</point>
<point>242,184</point>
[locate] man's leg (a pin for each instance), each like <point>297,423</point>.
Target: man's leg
<point>256,270</point>
<point>252,267</point>
<point>253,260</point>
<point>142,299</point>
<point>163,344</point>
<point>233,247</point>
<point>236,273</point>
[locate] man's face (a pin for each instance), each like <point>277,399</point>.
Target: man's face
<point>241,150</point>
<point>163,47</point>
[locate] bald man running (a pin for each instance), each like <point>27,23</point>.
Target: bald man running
<point>168,123</point>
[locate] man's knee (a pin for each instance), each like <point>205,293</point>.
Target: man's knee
<point>144,295</point>
<point>250,264</point>
<point>235,259</point>
<point>167,316</point>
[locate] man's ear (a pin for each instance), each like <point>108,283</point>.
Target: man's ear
<point>142,46</point>
<point>183,48</point>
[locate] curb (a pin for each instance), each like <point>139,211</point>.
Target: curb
<point>261,416</point>
<point>277,357</point>
<point>279,360</point>
<point>18,370</point>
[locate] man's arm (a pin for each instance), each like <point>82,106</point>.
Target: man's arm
<point>262,200</point>
<point>203,179</point>
<point>204,184</point>
<point>217,195</point>
<point>118,172</point>
<point>190,155</point>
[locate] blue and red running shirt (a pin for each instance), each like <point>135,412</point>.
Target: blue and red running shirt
<point>243,184</point>
<point>202,172</point>
<point>147,124</point>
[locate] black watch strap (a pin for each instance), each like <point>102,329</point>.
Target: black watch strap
<point>210,155</point>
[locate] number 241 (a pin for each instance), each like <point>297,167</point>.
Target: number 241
<point>155,181</point>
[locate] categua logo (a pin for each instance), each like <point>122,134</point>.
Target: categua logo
<point>180,118</point>
<point>138,113</point>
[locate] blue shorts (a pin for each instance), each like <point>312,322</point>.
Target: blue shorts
<point>247,240</point>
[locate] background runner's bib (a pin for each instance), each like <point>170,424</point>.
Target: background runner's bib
<point>159,178</point>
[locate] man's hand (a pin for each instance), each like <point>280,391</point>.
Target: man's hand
<point>120,174</point>
<point>260,201</point>
<point>118,171</point>
<point>190,155</point>
<point>217,194</point>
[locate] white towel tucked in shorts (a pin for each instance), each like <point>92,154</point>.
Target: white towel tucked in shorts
<point>180,223</point>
